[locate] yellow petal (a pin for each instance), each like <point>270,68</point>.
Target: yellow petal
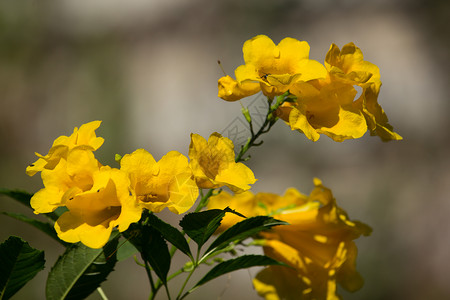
<point>298,121</point>
<point>140,165</point>
<point>376,118</point>
<point>86,135</point>
<point>351,125</point>
<point>231,90</point>
<point>46,200</point>
<point>237,177</point>
<point>183,193</point>
<point>258,50</point>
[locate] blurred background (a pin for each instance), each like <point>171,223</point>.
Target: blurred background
<point>148,70</point>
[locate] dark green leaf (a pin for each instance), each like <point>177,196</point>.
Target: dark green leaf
<point>152,246</point>
<point>42,226</point>
<point>242,262</point>
<point>170,233</point>
<point>157,254</point>
<point>199,226</point>
<point>243,230</point>
<point>81,270</point>
<point>19,263</point>
<point>21,196</point>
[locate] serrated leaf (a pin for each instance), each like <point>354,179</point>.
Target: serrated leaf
<point>81,270</point>
<point>199,226</point>
<point>170,233</point>
<point>152,246</point>
<point>242,262</point>
<point>24,198</point>
<point>156,252</point>
<point>19,263</point>
<point>243,230</point>
<point>42,226</point>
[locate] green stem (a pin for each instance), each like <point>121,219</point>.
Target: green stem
<point>150,278</point>
<point>186,281</point>
<point>266,126</point>
<point>102,293</point>
<point>204,200</point>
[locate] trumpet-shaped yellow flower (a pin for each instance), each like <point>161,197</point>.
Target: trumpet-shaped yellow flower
<point>97,198</point>
<point>327,110</point>
<point>157,185</point>
<point>71,175</point>
<point>213,164</point>
<point>348,66</point>
<point>330,106</point>
<point>92,214</point>
<point>318,243</point>
<point>275,67</point>
<point>84,138</point>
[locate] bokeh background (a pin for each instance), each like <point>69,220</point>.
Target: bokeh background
<point>148,69</point>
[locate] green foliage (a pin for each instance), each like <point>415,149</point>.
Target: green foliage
<point>21,196</point>
<point>19,263</point>
<point>152,246</point>
<point>242,262</point>
<point>170,233</point>
<point>80,270</point>
<point>199,226</point>
<point>42,226</point>
<point>243,230</point>
<point>125,250</point>
<point>155,251</point>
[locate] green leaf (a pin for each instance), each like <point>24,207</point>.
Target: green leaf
<point>152,247</point>
<point>199,226</point>
<point>125,250</point>
<point>243,230</point>
<point>19,263</point>
<point>242,262</point>
<point>42,226</point>
<point>81,270</point>
<point>21,196</point>
<point>24,198</point>
<point>155,251</point>
<point>170,233</point>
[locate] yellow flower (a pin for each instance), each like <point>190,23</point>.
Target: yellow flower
<point>92,214</point>
<point>157,185</point>
<point>318,243</point>
<point>348,66</point>
<point>376,118</point>
<point>329,106</point>
<point>328,109</point>
<point>275,67</point>
<point>213,164</point>
<point>97,199</point>
<point>84,137</point>
<point>231,90</point>
<point>71,175</point>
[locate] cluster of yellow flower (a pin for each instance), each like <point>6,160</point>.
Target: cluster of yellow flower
<point>323,99</point>
<point>99,198</point>
<point>315,99</point>
<point>325,95</point>
<point>317,244</point>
